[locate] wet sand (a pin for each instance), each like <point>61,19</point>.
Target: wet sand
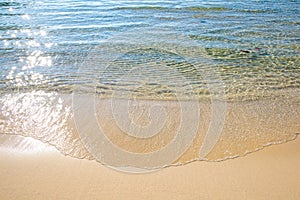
<point>150,133</point>
<point>43,173</point>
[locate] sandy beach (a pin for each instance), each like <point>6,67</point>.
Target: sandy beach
<point>43,173</point>
<point>149,100</point>
<point>31,169</point>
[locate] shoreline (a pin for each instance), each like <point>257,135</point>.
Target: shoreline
<point>35,170</point>
<point>143,126</point>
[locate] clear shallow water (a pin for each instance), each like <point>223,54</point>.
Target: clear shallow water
<point>233,51</point>
<point>253,46</point>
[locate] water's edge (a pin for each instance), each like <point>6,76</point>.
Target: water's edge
<point>247,127</point>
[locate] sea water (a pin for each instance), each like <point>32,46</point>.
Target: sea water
<point>220,78</point>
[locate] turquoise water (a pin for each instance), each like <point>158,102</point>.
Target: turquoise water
<point>251,48</point>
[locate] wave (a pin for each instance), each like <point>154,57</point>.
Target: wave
<point>149,134</point>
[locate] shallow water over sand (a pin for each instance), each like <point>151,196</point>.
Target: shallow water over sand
<point>253,47</point>
<point>149,134</point>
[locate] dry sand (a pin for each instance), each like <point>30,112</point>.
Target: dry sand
<point>272,173</point>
